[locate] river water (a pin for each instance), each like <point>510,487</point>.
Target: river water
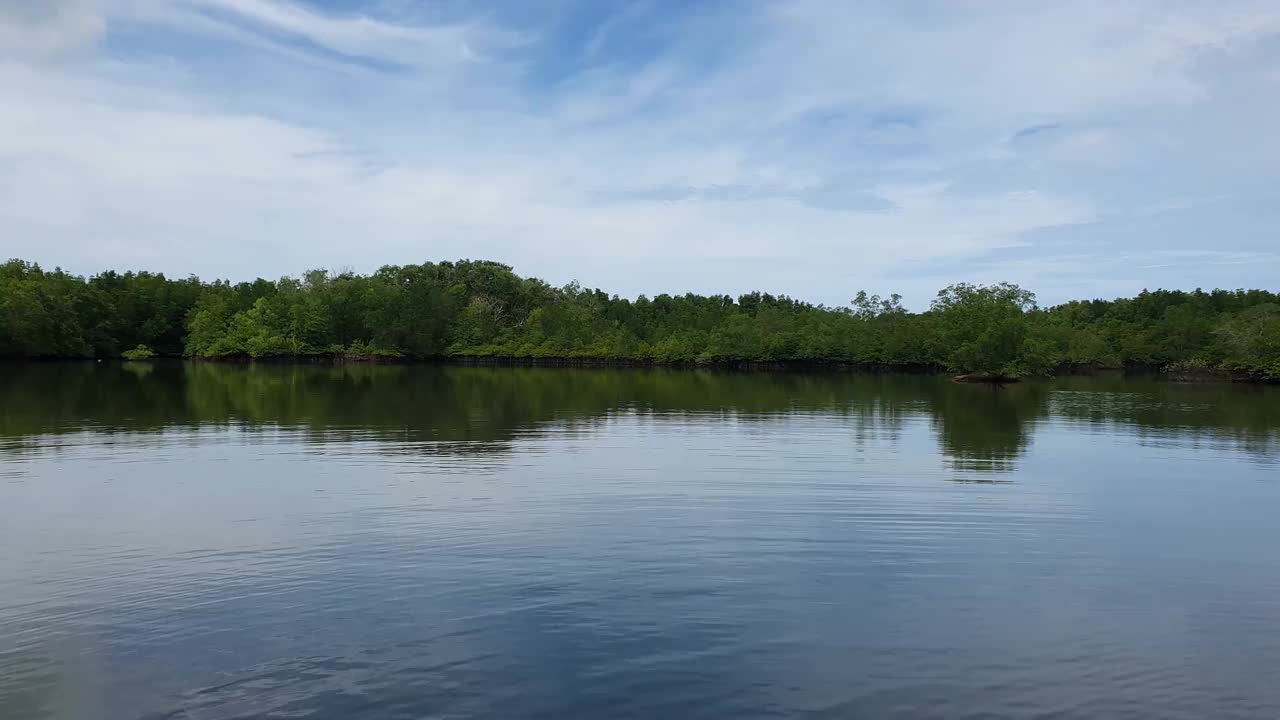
<point>215,541</point>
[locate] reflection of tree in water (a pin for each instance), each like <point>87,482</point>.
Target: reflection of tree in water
<point>66,397</point>
<point>452,410</point>
<point>1245,416</point>
<point>984,428</point>
<point>468,411</point>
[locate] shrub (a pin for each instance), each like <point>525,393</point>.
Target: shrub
<point>142,352</point>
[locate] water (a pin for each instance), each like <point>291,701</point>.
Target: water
<point>209,541</point>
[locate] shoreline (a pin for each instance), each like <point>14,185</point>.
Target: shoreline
<point>1170,375</point>
<point>585,362</point>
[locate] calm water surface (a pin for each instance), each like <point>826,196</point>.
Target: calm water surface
<point>207,541</point>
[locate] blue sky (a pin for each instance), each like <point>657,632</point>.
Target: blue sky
<point>812,147</point>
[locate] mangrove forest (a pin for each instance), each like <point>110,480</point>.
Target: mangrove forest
<point>484,310</point>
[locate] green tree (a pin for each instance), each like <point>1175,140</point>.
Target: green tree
<point>1252,341</point>
<point>141,352</point>
<point>481,308</point>
<point>983,328</point>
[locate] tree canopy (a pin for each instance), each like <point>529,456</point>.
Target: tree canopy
<point>484,309</point>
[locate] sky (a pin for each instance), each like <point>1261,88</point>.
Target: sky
<point>807,147</point>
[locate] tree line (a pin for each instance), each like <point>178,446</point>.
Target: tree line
<point>483,309</point>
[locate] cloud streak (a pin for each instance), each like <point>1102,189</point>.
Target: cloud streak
<point>424,47</point>
<point>807,147</point>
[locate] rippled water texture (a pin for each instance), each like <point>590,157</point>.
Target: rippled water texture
<point>209,541</point>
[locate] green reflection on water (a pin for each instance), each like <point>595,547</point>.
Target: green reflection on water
<point>483,410</point>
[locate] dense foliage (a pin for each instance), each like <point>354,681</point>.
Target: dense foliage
<point>483,309</point>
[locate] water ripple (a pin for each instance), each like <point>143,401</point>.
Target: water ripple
<point>763,556</point>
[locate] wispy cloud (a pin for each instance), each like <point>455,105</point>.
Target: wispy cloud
<point>803,146</point>
<point>424,46</point>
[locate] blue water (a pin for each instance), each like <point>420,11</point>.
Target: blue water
<point>448,542</point>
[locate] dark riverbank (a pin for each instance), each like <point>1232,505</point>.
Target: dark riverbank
<point>1173,375</point>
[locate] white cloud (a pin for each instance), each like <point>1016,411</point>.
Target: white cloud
<point>693,165</point>
<point>48,29</point>
<point>354,35</point>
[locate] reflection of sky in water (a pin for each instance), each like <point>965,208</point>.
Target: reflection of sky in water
<point>799,551</point>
